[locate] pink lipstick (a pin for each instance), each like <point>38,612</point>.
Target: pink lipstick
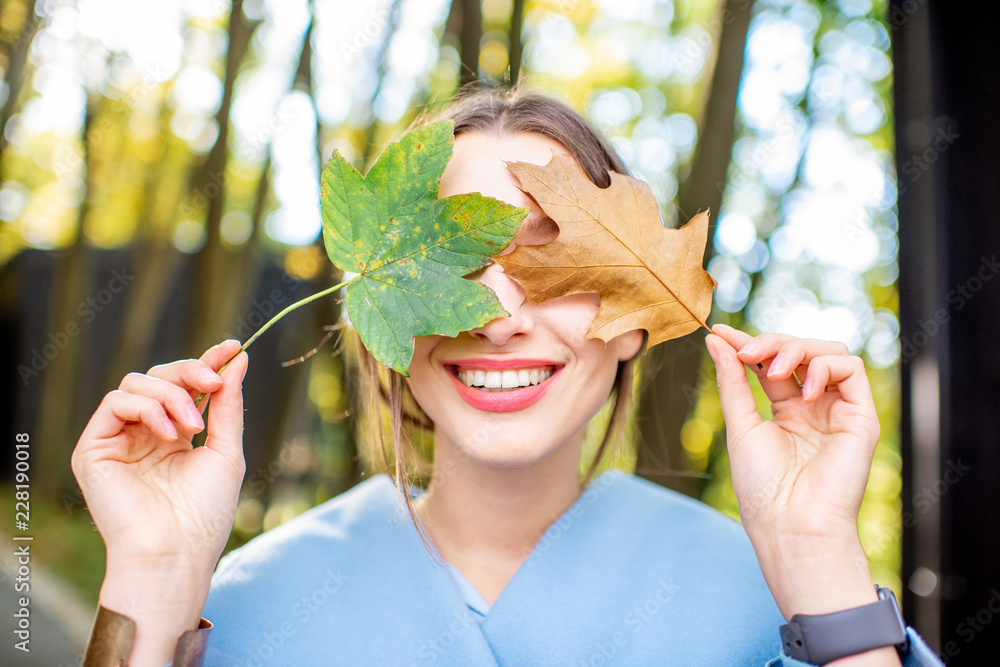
<point>501,401</point>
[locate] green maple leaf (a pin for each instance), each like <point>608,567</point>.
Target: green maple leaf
<point>410,248</point>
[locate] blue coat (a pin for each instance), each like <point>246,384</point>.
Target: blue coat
<point>631,574</point>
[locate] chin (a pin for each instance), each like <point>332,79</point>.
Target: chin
<point>491,448</point>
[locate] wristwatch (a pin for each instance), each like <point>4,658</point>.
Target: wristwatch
<point>822,638</point>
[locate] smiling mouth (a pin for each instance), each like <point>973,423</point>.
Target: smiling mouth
<point>496,381</point>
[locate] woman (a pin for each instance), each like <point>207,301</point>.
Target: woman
<point>529,564</point>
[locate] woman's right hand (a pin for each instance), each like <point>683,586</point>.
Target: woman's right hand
<point>164,508</point>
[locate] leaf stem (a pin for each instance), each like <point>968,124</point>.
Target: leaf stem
<point>297,304</point>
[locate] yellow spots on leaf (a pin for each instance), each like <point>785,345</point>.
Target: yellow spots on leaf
<point>381,228</point>
<point>383,286</point>
<point>437,225</point>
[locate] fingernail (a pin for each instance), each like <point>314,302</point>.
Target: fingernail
<point>211,376</point>
<point>711,349</point>
<point>168,426</point>
<point>750,348</point>
<point>194,417</point>
<point>806,388</point>
<point>775,365</point>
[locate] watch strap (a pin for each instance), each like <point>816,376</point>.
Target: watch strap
<point>822,638</point>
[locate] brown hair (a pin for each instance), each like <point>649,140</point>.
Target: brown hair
<point>497,109</point>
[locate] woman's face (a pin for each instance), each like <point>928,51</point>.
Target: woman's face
<point>539,345</point>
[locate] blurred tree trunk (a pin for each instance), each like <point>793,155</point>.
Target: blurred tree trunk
<point>160,262</point>
<point>217,280</point>
<point>286,402</point>
<point>17,58</point>
<point>370,148</point>
<point>327,310</point>
<point>670,380</point>
<point>466,21</point>
<point>516,46</point>
<point>72,283</point>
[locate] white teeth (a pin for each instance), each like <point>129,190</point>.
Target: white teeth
<point>503,380</point>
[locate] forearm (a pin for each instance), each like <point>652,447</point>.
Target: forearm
<point>163,603</point>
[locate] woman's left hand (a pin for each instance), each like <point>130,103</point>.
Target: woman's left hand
<point>800,477</point>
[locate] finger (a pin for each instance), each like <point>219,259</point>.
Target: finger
<point>738,405</point>
<point>776,391</point>
<point>737,339</point>
<point>120,408</point>
<point>787,352</point>
<point>198,375</point>
<point>225,419</point>
<point>778,356</point>
<point>846,373</point>
<point>175,399</point>
<point>788,366</point>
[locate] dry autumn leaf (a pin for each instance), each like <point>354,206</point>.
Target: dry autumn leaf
<point>612,242</point>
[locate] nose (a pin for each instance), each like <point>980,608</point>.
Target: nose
<point>519,323</point>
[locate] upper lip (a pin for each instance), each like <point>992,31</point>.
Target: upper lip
<point>499,364</point>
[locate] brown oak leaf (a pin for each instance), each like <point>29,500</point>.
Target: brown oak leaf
<point>612,242</point>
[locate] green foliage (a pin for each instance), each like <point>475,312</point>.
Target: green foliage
<point>410,248</point>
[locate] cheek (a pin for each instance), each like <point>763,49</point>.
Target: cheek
<point>573,314</point>
<point>420,373</point>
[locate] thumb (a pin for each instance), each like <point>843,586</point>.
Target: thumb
<point>738,405</point>
<point>225,414</point>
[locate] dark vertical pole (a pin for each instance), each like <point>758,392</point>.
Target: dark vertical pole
<point>516,26</point>
<point>947,90</point>
<point>469,39</point>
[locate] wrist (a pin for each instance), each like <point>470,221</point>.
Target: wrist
<point>163,604</point>
<point>816,576</point>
